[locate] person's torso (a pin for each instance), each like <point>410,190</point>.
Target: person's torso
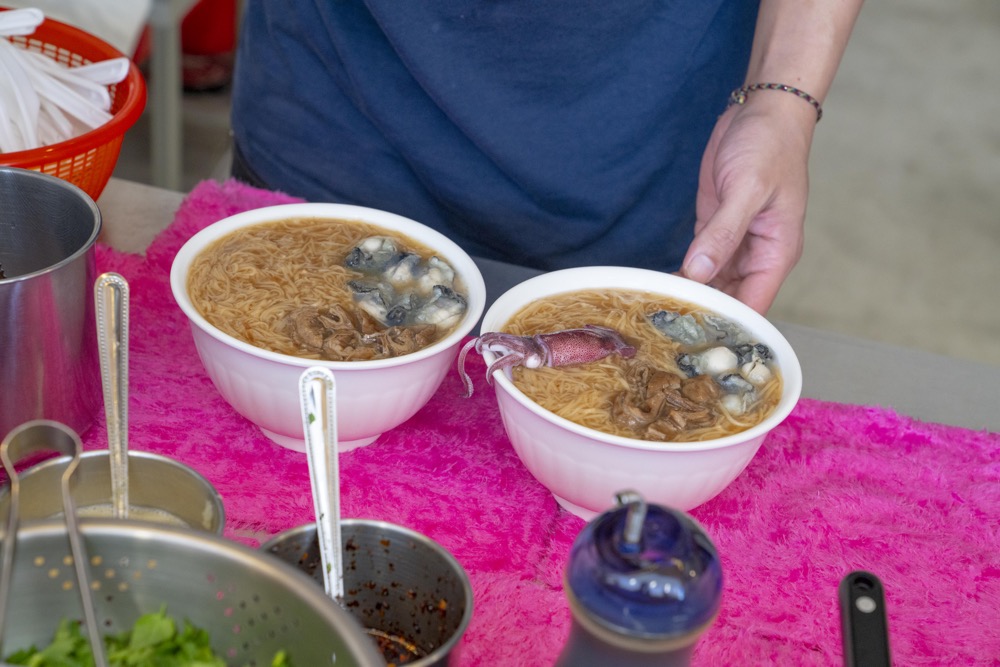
<point>543,133</point>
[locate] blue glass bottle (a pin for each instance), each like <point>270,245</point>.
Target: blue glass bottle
<point>644,582</point>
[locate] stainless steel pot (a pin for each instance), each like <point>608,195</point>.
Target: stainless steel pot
<point>48,338</point>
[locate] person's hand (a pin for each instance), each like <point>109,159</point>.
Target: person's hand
<point>751,203</point>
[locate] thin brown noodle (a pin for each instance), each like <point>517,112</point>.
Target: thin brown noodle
<point>247,282</point>
<point>583,393</point>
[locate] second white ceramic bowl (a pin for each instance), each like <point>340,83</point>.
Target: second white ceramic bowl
<point>585,468</point>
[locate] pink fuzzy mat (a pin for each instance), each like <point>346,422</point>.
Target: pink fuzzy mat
<point>833,489</point>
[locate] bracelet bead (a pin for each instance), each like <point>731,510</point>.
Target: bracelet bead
<point>739,96</point>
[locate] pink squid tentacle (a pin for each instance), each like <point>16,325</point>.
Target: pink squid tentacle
<point>466,380</point>
<point>510,351</point>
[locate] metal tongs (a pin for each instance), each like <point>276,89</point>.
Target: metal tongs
<point>31,438</point>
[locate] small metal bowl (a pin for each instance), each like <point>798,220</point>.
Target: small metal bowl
<point>410,594</point>
<point>161,490</point>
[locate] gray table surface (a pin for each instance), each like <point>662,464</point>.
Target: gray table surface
<point>835,367</point>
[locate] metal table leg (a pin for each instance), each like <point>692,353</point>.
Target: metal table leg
<point>165,89</point>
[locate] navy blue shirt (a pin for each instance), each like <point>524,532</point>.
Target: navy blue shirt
<point>548,134</point>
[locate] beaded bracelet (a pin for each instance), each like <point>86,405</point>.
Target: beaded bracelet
<point>739,96</point>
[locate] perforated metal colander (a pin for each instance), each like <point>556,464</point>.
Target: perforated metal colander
<point>251,604</point>
<point>109,572</point>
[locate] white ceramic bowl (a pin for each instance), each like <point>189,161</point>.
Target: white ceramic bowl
<point>585,468</point>
<point>372,396</point>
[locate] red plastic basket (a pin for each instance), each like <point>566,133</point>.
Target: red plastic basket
<point>87,160</point>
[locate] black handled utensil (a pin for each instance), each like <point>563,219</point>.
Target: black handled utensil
<point>863,621</point>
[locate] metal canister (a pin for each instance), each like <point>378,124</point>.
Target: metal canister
<point>644,583</point>
<point>48,339</point>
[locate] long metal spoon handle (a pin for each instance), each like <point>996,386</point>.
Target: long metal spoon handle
<point>111,300</point>
<point>318,396</point>
<point>31,438</point>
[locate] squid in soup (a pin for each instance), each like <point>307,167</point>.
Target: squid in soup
<point>679,372</point>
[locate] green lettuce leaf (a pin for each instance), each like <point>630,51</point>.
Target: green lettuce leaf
<point>153,641</point>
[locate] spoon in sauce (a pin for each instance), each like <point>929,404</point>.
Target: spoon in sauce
<point>111,300</point>
<point>317,394</point>
<point>317,399</point>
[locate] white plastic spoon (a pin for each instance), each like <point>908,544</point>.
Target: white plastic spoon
<point>317,393</point>
<point>68,100</point>
<point>19,96</point>
<point>8,142</point>
<point>104,72</point>
<point>20,21</point>
<point>90,90</point>
<point>53,125</point>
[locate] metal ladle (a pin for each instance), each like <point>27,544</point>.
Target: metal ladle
<point>317,394</point>
<point>111,297</point>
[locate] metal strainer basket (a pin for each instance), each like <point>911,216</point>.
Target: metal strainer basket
<point>251,604</point>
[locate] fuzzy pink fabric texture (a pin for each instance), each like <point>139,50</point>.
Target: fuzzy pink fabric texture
<point>833,489</point>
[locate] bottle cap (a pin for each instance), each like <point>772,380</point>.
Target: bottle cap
<point>646,571</point>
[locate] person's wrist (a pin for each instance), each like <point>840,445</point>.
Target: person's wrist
<point>789,110</point>
<point>742,94</point>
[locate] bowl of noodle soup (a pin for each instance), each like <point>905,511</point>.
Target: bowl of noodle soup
<point>274,291</point>
<point>579,428</point>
